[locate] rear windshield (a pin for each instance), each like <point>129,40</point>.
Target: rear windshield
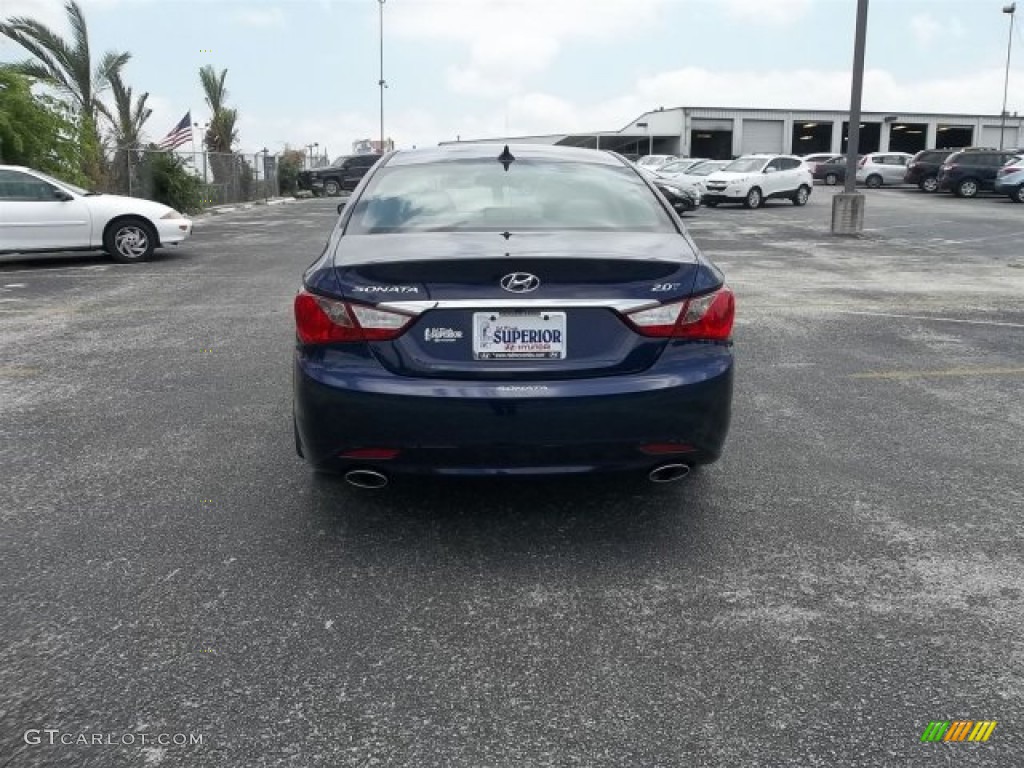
<point>532,195</point>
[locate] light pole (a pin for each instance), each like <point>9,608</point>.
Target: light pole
<point>310,148</point>
<point>1011,10</point>
<point>266,176</point>
<point>650,138</point>
<point>848,206</point>
<point>382,83</point>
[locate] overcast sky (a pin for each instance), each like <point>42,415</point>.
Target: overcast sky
<point>303,71</point>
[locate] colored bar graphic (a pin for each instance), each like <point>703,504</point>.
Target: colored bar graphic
<point>958,730</point>
<point>935,731</point>
<point>982,730</point>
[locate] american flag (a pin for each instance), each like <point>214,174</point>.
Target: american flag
<point>181,133</point>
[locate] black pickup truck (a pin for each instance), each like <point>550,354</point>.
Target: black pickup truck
<point>340,176</point>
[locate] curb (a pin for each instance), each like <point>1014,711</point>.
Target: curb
<point>217,210</point>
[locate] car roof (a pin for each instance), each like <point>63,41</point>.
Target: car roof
<point>485,151</point>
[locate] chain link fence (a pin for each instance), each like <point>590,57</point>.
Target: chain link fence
<point>194,180</point>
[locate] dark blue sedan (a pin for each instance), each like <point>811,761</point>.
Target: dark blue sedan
<point>489,310</point>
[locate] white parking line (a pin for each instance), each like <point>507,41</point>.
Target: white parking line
<point>935,319</point>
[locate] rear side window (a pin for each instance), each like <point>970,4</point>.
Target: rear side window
<point>479,195</point>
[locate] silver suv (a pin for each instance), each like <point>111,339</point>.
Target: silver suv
<point>752,179</point>
<point>878,168</point>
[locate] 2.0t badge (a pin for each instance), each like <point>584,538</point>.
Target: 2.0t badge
<point>520,282</point>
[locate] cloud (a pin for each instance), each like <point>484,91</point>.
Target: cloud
<point>261,17</point>
<point>770,12</point>
<point>926,29</point>
<point>508,42</point>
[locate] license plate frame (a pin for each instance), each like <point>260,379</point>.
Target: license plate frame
<point>531,324</point>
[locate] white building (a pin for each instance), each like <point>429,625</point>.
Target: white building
<point>723,133</point>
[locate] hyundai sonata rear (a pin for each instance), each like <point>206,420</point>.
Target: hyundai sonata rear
<point>536,310</point>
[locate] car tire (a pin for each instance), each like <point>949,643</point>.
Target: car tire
<point>874,181</point>
<point>130,240</point>
<point>1018,194</point>
<point>754,198</point>
<point>929,184</point>
<point>332,188</point>
<point>831,179</point>
<point>967,188</point>
<point>801,196</point>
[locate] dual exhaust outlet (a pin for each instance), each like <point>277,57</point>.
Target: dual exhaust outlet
<point>371,479</point>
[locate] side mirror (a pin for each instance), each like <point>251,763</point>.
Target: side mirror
<point>341,206</point>
<point>60,194</point>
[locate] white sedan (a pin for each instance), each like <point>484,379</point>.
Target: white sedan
<point>40,213</point>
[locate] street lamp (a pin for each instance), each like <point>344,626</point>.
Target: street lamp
<point>650,138</point>
<point>1011,10</point>
<point>266,176</point>
<point>382,83</point>
<point>310,148</point>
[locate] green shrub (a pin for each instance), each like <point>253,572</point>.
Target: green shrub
<point>288,167</point>
<point>173,183</point>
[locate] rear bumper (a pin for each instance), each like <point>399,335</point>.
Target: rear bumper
<point>346,401</point>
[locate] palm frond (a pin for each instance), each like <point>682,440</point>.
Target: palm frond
<point>51,51</point>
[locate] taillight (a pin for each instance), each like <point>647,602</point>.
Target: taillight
<point>319,320</point>
<point>707,317</point>
<point>862,162</point>
<point>1004,171</point>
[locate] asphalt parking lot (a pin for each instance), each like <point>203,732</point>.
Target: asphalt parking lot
<point>851,570</point>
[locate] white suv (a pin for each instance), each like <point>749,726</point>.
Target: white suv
<point>752,179</point>
<point>880,168</point>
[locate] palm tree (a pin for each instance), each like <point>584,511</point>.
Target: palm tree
<point>126,123</point>
<point>220,133</point>
<point>67,66</point>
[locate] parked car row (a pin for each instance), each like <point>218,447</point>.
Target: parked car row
<point>747,180</point>
<point>964,172</point>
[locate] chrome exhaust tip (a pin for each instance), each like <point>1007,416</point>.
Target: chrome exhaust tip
<point>366,478</point>
<point>668,473</point>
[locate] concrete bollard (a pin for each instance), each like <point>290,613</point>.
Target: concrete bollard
<point>848,213</point>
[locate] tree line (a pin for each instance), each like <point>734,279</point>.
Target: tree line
<point>70,131</point>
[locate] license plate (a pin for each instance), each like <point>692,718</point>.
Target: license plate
<point>519,336</point>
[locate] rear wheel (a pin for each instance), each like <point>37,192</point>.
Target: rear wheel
<point>130,240</point>
<point>1018,194</point>
<point>831,179</point>
<point>928,184</point>
<point>753,198</point>
<point>967,188</point>
<point>874,181</point>
<point>801,195</point>
<point>332,188</point>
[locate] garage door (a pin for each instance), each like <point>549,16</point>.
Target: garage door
<point>990,136</point>
<point>762,136</point>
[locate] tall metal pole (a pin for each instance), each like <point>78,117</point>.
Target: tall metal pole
<point>381,82</point>
<point>848,205</point>
<point>853,135</point>
<point>1010,9</point>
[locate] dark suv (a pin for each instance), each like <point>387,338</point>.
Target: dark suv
<point>923,169</point>
<point>343,175</point>
<point>967,173</point>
